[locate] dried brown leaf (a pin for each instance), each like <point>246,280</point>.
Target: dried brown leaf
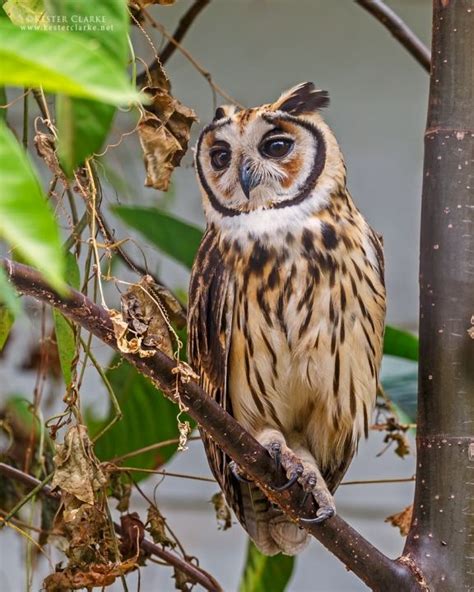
<point>133,532</point>
<point>121,491</point>
<point>156,526</point>
<point>164,132</point>
<point>91,576</point>
<point>77,469</point>
<point>141,327</point>
<point>402,520</point>
<point>223,515</point>
<point>46,149</point>
<point>182,581</point>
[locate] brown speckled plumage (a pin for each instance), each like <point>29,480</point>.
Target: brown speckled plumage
<point>287,304</point>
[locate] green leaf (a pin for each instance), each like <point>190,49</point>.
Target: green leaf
<point>82,124</point>
<point>8,295</point>
<point>400,343</point>
<point>6,323</point>
<point>173,236</point>
<point>24,12</point>
<point>148,418</point>
<point>62,63</point>
<point>262,573</point>
<point>65,334</point>
<point>26,218</point>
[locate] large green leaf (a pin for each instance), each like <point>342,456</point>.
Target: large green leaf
<point>83,124</point>
<point>173,236</point>
<point>62,63</point>
<point>262,573</point>
<point>148,418</point>
<point>65,336</point>
<point>400,343</point>
<point>26,219</point>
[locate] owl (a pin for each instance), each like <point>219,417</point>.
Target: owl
<point>286,304</point>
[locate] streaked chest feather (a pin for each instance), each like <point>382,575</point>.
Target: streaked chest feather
<point>307,333</point>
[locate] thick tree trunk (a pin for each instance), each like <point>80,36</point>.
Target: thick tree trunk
<point>441,541</point>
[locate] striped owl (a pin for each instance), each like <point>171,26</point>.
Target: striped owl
<point>286,304</point>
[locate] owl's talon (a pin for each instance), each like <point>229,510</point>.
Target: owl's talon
<point>288,484</point>
<point>275,453</point>
<point>322,515</point>
<point>237,472</point>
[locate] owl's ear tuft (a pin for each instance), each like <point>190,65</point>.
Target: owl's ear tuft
<point>304,98</point>
<point>224,111</point>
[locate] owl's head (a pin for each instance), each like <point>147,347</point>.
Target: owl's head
<point>269,157</point>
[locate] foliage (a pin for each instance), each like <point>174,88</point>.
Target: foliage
<point>263,573</point>
<point>26,218</point>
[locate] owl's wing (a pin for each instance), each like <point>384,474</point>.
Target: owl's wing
<point>211,304</point>
<point>334,475</point>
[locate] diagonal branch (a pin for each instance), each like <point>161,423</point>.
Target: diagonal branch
<point>184,24</point>
<point>368,563</point>
<point>196,574</point>
<point>399,29</point>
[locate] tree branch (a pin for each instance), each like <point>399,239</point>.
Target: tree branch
<point>196,574</point>
<point>183,26</point>
<point>368,563</point>
<point>399,29</point>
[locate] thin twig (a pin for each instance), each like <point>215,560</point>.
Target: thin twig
<point>184,24</point>
<point>205,73</point>
<point>399,29</point>
<point>166,474</point>
<point>178,314</point>
<point>156,446</point>
<point>377,571</point>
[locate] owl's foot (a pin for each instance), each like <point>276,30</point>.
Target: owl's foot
<point>300,466</point>
<point>314,484</point>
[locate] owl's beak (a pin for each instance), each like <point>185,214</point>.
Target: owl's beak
<point>248,179</point>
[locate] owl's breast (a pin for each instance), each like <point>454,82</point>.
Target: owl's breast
<point>306,342</point>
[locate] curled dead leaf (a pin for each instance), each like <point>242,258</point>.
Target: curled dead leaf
<point>156,526</point>
<point>46,149</point>
<point>133,532</point>
<point>401,520</point>
<point>223,515</point>
<point>182,581</point>
<point>90,576</point>
<point>77,470</point>
<point>142,327</point>
<point>164,132</point>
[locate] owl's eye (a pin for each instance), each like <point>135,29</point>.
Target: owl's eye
<point>220,156</point>
<point>276,147</point>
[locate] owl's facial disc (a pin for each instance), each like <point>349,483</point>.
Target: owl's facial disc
<point>258,158</point>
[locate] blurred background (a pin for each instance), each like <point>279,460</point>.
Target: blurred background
<point>254,49</point>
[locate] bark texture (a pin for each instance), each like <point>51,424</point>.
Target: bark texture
<point>441,541</point>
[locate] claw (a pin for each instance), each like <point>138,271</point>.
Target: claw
<point>321,515</point>
<point>289,483</point>
<point>237,474</point>
<point>275,453</point>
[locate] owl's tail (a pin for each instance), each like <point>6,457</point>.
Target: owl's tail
<point>271,530</point>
